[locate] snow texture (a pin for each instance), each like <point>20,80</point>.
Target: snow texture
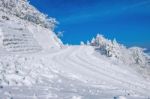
<point>23,10</point>
<point>17,35</point>
<point>34,64</point>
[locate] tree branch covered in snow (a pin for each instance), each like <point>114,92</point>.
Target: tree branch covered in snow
<point>111,48</point>
<point>23,10</point>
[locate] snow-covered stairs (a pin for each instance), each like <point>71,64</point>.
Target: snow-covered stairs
<point>19,40</point>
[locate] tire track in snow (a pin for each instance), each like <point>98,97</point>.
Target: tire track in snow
<point>107,68</point>
<point>102,71</point>
<point>74,60</point>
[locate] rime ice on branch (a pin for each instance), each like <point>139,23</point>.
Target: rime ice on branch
<point>23,10</point>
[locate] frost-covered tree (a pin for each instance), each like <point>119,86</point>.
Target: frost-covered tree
<point>82,43</point>
<point>93,42</point>
<point>138,55</point>
<point>59,34</point>
<point>23,10</point>
<point>103,44</point>
<point>88,42</point>
<point>112,48</point>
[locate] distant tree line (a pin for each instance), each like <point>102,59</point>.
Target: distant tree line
<point>111,48</point>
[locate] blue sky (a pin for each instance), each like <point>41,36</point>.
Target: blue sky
<point>126,20</point>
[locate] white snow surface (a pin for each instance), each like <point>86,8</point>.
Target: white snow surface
<point>22,36</point>
<point>34,64</point>
<point>74,72</point>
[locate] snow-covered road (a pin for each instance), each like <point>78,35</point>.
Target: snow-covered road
<point>81,61</point>
<point>35,64</point>
<point>79,72</point>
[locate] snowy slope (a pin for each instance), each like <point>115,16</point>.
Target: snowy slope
<point>20,35</point>
<point>34,64</point>
<point>73,72</point>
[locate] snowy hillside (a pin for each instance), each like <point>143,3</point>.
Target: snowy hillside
<point>75,72</point>
<point>133,56</point>
<point>25,11</point>
<point>34,64</point>
<point>111,48</point>
<point>21,35</point>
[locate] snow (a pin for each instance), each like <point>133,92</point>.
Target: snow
<point>76,97</point>
<point>20,35</point>
<point>23,10</point>
<point>120,97</point>
<point>111,48</point>
<point>73,72</point>
<point>34,64</point>
<point>133,56</point>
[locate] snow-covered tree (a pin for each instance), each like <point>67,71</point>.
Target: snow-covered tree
<point>93,42</point>
<point>103,44</point>
<point>82,43</point>
<point>88,42</point>
<point>112,48</point>
<point>138,55</point>
<point>23,10</point>
<point>59,34</point>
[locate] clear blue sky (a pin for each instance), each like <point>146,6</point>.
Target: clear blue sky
<point>126,20</point>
